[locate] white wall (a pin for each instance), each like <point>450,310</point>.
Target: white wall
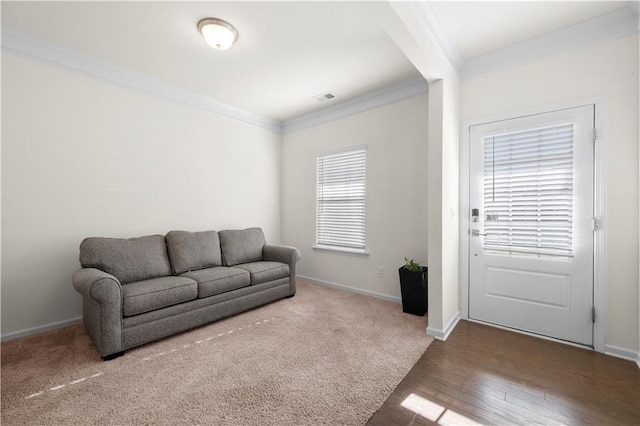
<point>404,23</point>
<point>396,210</point>
<point>443,205</point>
<point>81,157</point>
<point>608,69</point>
<point>450,202</point>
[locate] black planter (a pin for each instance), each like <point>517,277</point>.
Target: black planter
<point>413,286</point>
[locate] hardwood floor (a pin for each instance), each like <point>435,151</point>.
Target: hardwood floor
<point>491,376</point>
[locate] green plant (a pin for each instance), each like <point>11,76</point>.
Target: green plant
<point>412,266</point>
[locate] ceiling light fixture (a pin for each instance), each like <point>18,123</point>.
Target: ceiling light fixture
<point>217,33</point>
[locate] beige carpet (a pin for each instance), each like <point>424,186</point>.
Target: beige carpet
<point>322,357</point>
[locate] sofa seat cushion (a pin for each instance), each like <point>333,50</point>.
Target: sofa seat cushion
<point>191,251</point>
<point>218,280</point>
<point>149,295</point>
<point>262,272</point>
<point>127,259</point>
<point>241,245</point>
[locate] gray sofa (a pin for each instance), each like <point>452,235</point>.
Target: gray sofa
<point>138,290</point>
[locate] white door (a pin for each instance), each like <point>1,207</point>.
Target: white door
<point>531,224</point>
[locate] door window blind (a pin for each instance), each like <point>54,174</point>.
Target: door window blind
<point>528,191</point>
<point>341,199</point>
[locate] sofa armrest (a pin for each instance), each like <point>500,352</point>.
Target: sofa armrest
<point>284,254</point>
<point>101,307</point>
<point>97,285</point>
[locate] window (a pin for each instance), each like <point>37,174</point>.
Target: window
<point>528,191</point>
<point>340,196</point>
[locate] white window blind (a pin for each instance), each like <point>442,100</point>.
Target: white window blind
<point>528,191</point>
<point>341,199</point>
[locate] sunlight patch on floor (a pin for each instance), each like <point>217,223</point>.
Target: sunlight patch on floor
<point>435,412</point>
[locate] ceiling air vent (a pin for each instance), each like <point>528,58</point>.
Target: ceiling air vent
<point>324,97</point>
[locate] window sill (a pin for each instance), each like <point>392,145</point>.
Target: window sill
<point>361,252</point>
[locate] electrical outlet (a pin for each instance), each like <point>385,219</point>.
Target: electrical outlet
<point>380,271</point>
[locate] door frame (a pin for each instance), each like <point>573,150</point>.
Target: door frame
<point>599,281</point>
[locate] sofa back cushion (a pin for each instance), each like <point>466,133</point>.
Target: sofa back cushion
<point>241,245</point>
<point>191,251</point>
<point>132,259</point>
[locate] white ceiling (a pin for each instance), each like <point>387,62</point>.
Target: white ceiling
<point>480,27</point>
<point>287,52</point>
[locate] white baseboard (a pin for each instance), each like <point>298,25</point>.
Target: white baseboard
<point>351,289</point>
<point>40,329</point>
<point>444,334</point>
<point>624,353</point>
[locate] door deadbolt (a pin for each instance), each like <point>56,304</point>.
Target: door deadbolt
<point>475,215</point>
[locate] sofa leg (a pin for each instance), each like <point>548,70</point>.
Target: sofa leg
<point>290,296</point>
<point>112,356</point>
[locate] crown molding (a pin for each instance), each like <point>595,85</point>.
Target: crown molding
<point>431,23</point>
<point>363,103</point>
<point>21,44</point>
<point>616,24</point>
